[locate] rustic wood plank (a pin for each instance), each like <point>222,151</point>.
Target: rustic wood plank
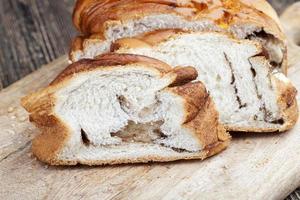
<point>32,33</point>
<point>255,167</point>
<point>42,46</point>
<point>15,132</point>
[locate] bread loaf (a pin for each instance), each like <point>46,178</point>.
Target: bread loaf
<point>122,108</point>
<point>102,22</point>
<point>249,94</point>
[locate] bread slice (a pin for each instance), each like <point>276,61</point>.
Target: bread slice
<point>103,22</point>
<point>124,109</point>
<point>249,94</point>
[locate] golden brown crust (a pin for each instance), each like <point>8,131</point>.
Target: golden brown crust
<point>265,7</point>
<point>288,103</point>
<point>195,96</point>
<point>201,115</point>
<point>77,44</point>
<point>134,42</point>
<point>205,153</point>
<point>47,146</point>
<point>90,15</point>
<point>108,60</point>
<point>55,133</point>
<point>93,17</point>
<point>147,40</point>
<point>184,75</point>
<point>157,36</point>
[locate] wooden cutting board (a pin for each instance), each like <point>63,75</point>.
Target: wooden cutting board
<point>255,166</point>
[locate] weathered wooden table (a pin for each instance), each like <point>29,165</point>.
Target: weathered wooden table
<point>33,33</point>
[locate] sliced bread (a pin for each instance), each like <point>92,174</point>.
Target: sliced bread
<point>103,22</point>
<point>124,109</point>
<point>249,94</point>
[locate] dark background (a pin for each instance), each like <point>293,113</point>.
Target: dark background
<point>35,32</point>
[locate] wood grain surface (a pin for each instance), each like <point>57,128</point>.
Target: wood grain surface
<point>33,33</point>
<point>258,167</point>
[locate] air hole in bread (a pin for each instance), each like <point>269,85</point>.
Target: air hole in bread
<point>84,138</point>
<point>241,105</point>
<point>255,117</point>
<point>179,150</point>
<point>218,78</point>
<point>124,103</point>
<point>253,72</point>
<point>137,132</point>
<point>278,121</point>
<point>238,99</point>
<point>271,48</point>
<point>268,116</point>
<point>274,64</point>
<point>150,109</point>
<point>160,133</point>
